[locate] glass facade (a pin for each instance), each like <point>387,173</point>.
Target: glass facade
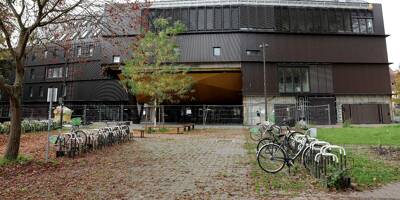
<point>270,18</point>
<point>293,79</point>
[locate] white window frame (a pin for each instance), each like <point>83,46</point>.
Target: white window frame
<point>116,59</point>
<point>217,51</point>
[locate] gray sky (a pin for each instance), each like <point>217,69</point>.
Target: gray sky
<point>392,28</point>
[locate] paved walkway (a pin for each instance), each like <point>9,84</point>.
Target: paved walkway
<point>205,164</point>
<point>196,166</point>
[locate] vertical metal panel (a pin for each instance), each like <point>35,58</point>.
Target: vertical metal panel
<point>361,79</point>
<point>363,113</point>
<point>176,14</point>
<point>332,20</point>
<point>210,18</point>
<point>201,19</point>
<point>168,14</point>
<point>347,21</point>
<point>309,20</point>
<point>321,79</point>
<point>252,74</point>
<point>199,47</point>
<point>244,16</point>
<point>317,18</point>
<point>252,19</point>
<point>378,19</point>
<point>218,18</point>
<point>324,20</point>
<point>185,17</point>
<point>314,86</point>
<point>329,79</point>
<point>260,17</point>
<point>385,113</point>
<point>278,18</point>
<point>269,17</point>
<point>294,25</point>
<point>193,19</point>
<point>301,19</point>
<point>227,18</point>
<point>317,48</point>
<point>235,17</point>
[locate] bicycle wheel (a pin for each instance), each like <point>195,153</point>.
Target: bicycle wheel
<point>292,144</point>
<point>263,142</point>
<point>256,133</point>
<point>307,158</point>
<point>271,158</point>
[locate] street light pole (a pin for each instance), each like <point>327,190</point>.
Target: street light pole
<point>263,46</point>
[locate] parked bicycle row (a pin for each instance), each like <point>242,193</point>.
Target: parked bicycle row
<point>279,146</point>
<point>82,141</point>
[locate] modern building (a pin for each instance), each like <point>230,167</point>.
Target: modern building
<point>326,61</point>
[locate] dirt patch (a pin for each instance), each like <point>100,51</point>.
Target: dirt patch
<point>388,153</point>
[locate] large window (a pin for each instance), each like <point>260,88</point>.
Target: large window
<point>55,72</point>
<point>293,80</point>
<point>323,20</point>
<point>362,22</point>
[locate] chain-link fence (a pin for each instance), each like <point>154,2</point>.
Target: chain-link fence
<point>316,115</point>
<point>198,114</point>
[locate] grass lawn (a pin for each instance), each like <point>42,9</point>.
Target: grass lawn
<point>368,168</point>
<point>389,135</point>
<point>281,183</point>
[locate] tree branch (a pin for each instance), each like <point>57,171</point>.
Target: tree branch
<point>16,14</point>
<point>7,37</point>
<point>4,86</point>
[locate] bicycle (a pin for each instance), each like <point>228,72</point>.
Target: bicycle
<point>273,157</point>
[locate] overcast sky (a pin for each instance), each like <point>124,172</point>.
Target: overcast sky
<point>392,28</point>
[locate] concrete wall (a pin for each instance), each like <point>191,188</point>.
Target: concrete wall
<point>252,104</point>
<point>340,100</point>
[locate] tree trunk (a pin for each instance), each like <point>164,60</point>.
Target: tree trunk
<point>15,129</point>
<point>155,114</point>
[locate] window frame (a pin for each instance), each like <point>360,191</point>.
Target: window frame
<point>116,57</point>
<point>253,52</point>
<point>30,92</point>
<point>302,71</point>
<point>54,72</point>
<point>217,53</point>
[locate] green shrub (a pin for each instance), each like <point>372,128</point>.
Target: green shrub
<point>347,124</point>
<point>163,130</point>
<point>20,160</point>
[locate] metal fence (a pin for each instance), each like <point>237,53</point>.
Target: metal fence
<point>316,115</point>
<point>198,114</point>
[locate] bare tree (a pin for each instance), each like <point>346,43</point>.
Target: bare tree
<point>25,24</point>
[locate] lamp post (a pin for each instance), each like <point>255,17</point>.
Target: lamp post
<point>264,46</point>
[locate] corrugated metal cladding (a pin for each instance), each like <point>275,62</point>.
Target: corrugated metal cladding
<point>273,19</point>
<point>283,48</point>
<point>102,90</point>
<point>252,79</point>
<point>351,79</point>
<point>367,113</point>
<point>361,79</point>
<point>199,47</point>
<point>321,81</point>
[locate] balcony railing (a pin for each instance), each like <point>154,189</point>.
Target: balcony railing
<point>350,4</point>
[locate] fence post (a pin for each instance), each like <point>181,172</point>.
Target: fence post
<point>84,115</point>
<point>99,106</point>
<point>204,116</point>
<point>122,113</point>
<point>329,114</point>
